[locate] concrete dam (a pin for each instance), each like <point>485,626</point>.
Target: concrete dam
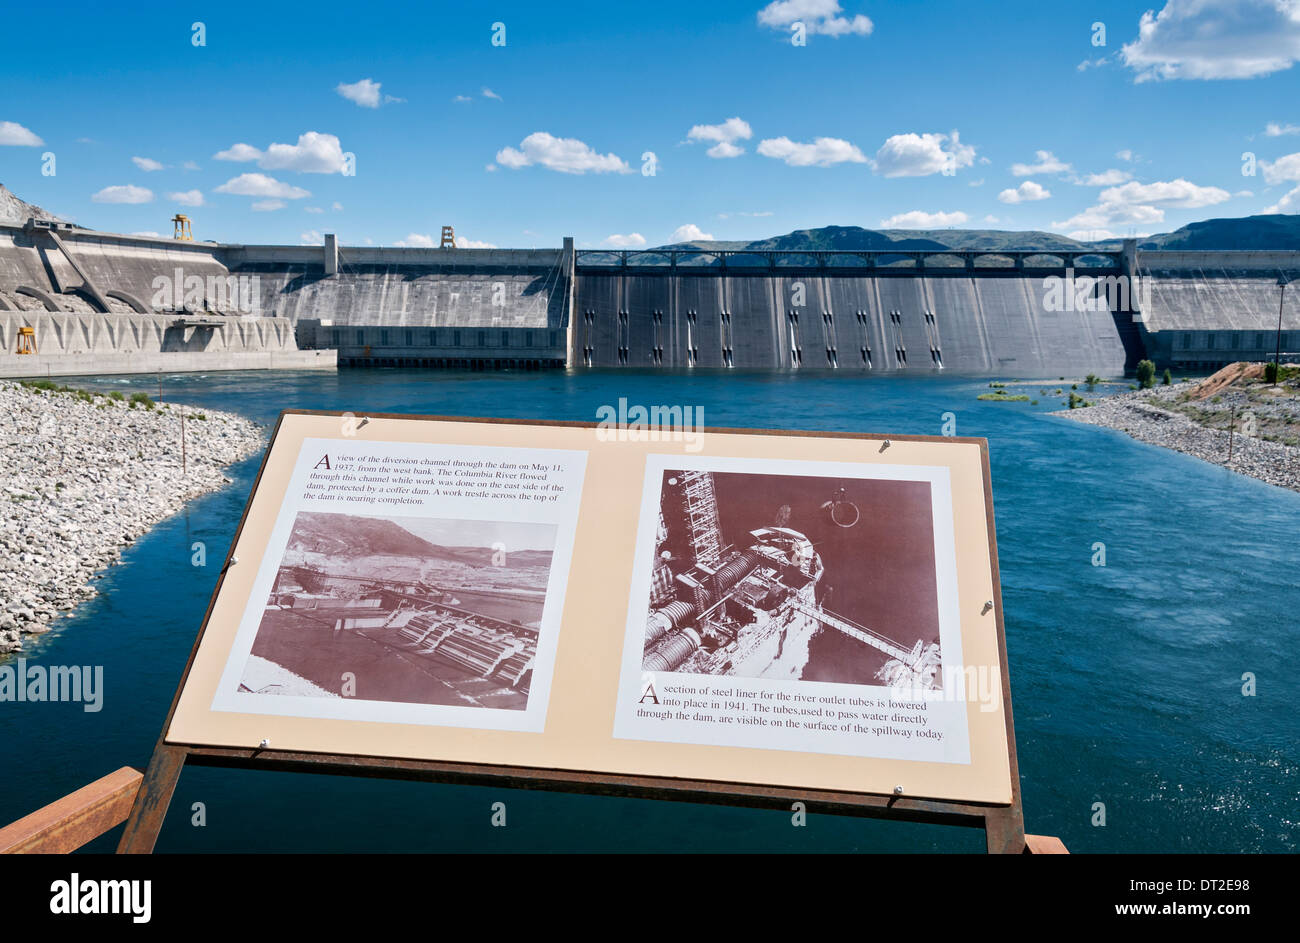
<point>76,301</point>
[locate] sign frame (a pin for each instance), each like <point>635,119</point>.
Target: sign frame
<point>1003,824</point>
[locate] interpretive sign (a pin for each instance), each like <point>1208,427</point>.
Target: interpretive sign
<point>734,616</point>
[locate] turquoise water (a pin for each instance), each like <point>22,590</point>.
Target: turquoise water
<point>1126,679</point>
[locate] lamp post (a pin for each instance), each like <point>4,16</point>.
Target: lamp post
<point>1277,351</point>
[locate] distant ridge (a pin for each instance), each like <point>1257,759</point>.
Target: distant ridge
<point>1272,231</point>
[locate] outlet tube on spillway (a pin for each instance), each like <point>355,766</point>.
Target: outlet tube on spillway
<point>662,621</point>
<point>672,651</point>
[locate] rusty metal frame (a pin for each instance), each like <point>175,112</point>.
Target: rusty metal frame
<point>1003,825</point>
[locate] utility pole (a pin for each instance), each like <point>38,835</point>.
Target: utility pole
<point>182,445</point>
<point>1232,427</point>
<point>1277,353</point>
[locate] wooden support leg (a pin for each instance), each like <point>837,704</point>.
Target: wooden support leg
<point>152,800</point>
<point>1004,831</point>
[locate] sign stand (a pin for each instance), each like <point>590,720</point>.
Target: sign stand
<point>1003,825</point>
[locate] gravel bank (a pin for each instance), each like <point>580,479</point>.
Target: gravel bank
<point>1147,416</point>
<point>85,475</point>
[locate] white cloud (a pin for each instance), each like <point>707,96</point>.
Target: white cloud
<point>690,233</point>
<point>1092,235</point>
<point>918,219</point>
<point>336,206</point>
<point>758,214</point>
<point>488,93</point>
<point>1215,39</point>
<point>187,197</point>
<point>1290,203</point>
<point>190,165</point>
<point>14,134</point>
<point>1108,178</point>
<point>1283,169</point>
<point>822,152</point>
<point>1087,64</point>
<point>312,209</point>
<point>1125,155</point>
<point>818,16</point>
<point>1180,193</point>
<point>725,134</point>
<point>631,240</point>
<point>566,155</point>
<point>990,219</point>
<point>146,163</point>
<point>1046,164</point>
<point>263,186</point>
<point>1274,130</point>
<point>365,93</point>
<point>462,98</point>
<point>125,194</point>
<point>266,206</point>
<point>417,240</point>
<point>312,237</point>
<point>239,152</point>
<point>920,155</point>
<point>315,153</point>
<point>1027,192</point>
<point>463,243</point>
<point>1141,204</point>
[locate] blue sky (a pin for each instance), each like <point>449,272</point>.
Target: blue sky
<point>523,143</point>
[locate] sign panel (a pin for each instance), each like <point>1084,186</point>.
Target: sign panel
<point>803,610</point>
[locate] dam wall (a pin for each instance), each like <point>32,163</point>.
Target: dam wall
<point>1205,309</point>
<point>79,344</point>
<point>76,302</point>
<point>981,324</point>
<point>103,302</point>
<point>486,308</point>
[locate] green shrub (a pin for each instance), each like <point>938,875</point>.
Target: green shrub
<point>1091,381</point>
<point>1167,379</point>
<point>1146,374</point>
<point>1270,372</point>
<point>142,399</point>
<point>116,395</point>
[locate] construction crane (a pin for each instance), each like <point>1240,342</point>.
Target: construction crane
<point>181,228</point>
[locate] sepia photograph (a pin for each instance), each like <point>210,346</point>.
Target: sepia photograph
<point>794,578</point>
<point>404,609</point>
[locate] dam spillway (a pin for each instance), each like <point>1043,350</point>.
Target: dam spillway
<point>995,324</point>
<point>97,302</point>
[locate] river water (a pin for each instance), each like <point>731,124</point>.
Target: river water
<point>1127,679</point>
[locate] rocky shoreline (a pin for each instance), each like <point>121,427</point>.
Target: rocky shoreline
<point>85,474</point>
<point>1153,416</point>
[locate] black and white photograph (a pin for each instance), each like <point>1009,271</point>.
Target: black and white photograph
<point>794,578</point>
<point>404,609</point>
